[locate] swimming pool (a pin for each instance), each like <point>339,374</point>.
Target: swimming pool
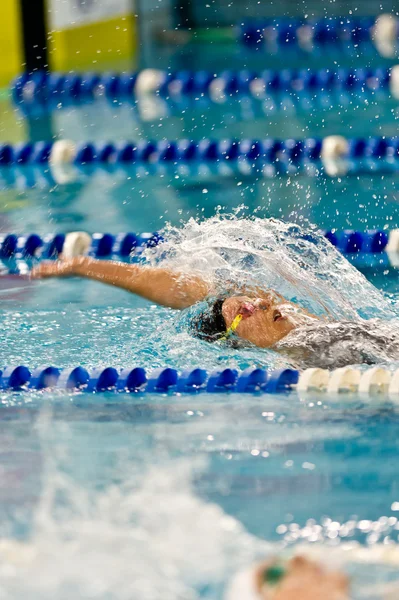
<point>121,496</point>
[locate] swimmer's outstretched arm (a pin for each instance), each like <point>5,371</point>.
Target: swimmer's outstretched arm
<point>168,288</point>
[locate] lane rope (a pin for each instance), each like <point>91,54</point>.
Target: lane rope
<point>45,88</point>
<point>100,245</point>
<point>347,381</point>
<point>332,149</point>
<point>378,249</point>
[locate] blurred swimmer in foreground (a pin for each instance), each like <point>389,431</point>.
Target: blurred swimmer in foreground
<point>263,318</point>
<point>296,579</point>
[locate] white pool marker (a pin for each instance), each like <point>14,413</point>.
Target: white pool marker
<point>334,147</point>
<point>393,390</point>
<point>61,159</point>
<point>385,34</point>
<point>374,381</point>
<point>334,154</point>
<point>393,241</point>
<point>76,243</point>
<point>305,35</point>
<point>63,152</point>
<point>394,82</point>
<point>344,380</point>
<point>257,87</point>
<point>313,380</point>
<point>392,248</point>
<point>217,89</point>
<point>243,587</point>
<point>149,81</point>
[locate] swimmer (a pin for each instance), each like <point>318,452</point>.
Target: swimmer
<point>262,318</point>
<point>295,579</point>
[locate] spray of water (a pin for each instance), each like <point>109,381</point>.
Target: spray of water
<point>358,324</point>
<point>300,264</point>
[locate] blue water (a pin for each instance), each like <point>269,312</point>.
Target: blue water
<point>118,497</point>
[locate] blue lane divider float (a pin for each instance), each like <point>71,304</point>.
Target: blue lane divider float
<point>51,246</point>
<point>257,103</point>
<point>54,88</point>
<point>352,242</point>
<point>42,179</point>
<point>124,245</point>
<point>323,31</point>
<point>374,381</point>
<point>264,152</point>
<point>369,250</point>
<point>140,380</point>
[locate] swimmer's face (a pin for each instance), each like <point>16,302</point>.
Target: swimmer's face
<point>265,320</point>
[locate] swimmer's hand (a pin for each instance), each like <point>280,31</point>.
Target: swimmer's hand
<point>58,268</point>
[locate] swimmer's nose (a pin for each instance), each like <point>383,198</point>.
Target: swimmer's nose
<point>246,310</point>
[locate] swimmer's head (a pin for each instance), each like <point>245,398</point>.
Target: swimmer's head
<point>210,324</point>
<point>265,321</point>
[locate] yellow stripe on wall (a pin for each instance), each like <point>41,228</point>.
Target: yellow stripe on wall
<point>91,45</point>
<point>10,41</point>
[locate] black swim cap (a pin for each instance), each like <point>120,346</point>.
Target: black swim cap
<point>210,324</point>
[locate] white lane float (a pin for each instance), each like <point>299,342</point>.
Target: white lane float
<point>149,81</point>
<point>217,89</point>
<point>63,152</point>
<point>374,381</point>
<point>77,243</point>
<point>392,248</point>
<point>313,380</point>
<point>394,82</point>
<point>393,390</point>
<point>334,155</point>
<point>61,159</point>
<point>385,34</point>
<point>344,380</point>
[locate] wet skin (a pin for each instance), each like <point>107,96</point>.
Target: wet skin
<point>265,320</point>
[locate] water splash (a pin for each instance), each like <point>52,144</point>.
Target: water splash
<point>267,253</point>
<point>360,324</point>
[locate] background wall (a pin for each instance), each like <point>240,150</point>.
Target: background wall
<point>10,41</point>
<point>226,12</point>
<point>154,15</point>
<point>86,33</point>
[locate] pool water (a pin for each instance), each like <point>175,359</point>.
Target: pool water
<point>130,496</point>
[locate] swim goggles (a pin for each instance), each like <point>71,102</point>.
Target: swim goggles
<point>236,321</point>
